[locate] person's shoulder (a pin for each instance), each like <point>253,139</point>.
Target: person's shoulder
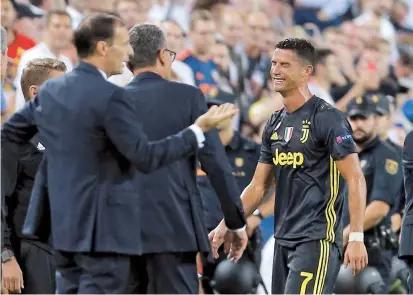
<point>408,142</point>
<point>388,151</point>
<point>324,111</point>
<point>24,41</point>
<point>178,88</point>
<point>184,55</point>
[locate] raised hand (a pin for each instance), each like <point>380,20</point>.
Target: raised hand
<point>215,116</point>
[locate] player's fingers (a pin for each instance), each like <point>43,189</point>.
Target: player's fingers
<point>358,264</point>
<point>346,260</point>
<point>366,259</point>
<point>353,265</point>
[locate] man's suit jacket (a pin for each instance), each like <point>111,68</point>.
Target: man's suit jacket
<point>172,216</point>
<point>406,235</point>
<point>94,143</point>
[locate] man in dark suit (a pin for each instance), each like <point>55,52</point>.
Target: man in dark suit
<point>20,251</point>
<point>406,235</point>
<point>171,204</point>
<point>94,143</point>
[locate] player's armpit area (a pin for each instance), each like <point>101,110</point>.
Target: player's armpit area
<point>254,193</point>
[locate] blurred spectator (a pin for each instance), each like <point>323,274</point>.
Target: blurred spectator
<point>41,6</point>
<point>376,18</point>
<point>323,13</point>
<point>76,10</point>
<point>198,58</point>
<point>255,61</point>
<point>403,71</point>
<point>178,10</point>
<point>132,12</point>
<point>57,38</point>
<point>3,64</point>
<point>232,33</point>
<point>321,80</point>
<point>175,39</point>
<point>216,7</point>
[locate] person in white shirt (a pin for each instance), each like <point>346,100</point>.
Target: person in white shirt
<point>57,36</point>
<point>325,71</point>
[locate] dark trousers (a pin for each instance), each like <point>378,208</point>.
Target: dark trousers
<point>409,262</point>
<point>171,273</point>
<point>99,273</point>
<point>381,259</point>
<point>308,268</point>
<point>38,266</point>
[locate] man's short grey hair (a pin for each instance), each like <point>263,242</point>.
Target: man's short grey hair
<point>146,40</point>
<point>3,40</point>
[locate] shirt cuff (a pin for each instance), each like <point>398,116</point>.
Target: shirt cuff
<point>238,230</point>
<point>200,137</point>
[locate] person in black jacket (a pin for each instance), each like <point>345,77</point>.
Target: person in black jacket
<point>406,235</point>
<point>22,252</point>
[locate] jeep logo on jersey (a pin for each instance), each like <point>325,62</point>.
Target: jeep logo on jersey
<point>288,159</point>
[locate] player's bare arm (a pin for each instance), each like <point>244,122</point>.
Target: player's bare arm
<point>265,210</point>
<point>356,254</point>
<point>252,197</point>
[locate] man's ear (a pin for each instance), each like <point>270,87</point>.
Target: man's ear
<point>32,91</point>
<point>162,57</point>
<point>308,70</point>
<point>102,48</point>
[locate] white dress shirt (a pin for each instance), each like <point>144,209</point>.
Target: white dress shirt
<point>76,16</point>
<point>39,51</point>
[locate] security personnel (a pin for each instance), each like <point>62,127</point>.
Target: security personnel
<point>243,155</point>
<point>406,235</point>
<point>385,109</point>
<point>380,164</point>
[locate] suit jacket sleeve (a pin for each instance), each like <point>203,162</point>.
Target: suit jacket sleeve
<point>9,172</point>
<point>215,163</point>
<point>21,126</point>
<point>122,125</point>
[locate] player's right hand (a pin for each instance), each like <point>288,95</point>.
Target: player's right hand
<point>12,276</point>
<point>356,256</point>
<point>215,116</point>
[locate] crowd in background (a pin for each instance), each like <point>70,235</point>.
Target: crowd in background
<point>225,47</point>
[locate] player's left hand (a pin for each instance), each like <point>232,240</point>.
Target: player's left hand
<point>356,256</point>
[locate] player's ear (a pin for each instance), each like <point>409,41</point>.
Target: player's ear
<point>308,70</point>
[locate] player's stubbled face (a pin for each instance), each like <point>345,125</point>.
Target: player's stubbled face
<point>286,70</point>
<point>364,128</point>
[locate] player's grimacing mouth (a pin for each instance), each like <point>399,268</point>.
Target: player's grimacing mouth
<point>278,80</point>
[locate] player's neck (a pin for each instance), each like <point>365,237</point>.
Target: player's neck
<point>295,99</point>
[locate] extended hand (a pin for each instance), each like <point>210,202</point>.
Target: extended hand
<point>234,242</point>
<point>356,256</point>
<point>215,116</point>
<point>12,276</point>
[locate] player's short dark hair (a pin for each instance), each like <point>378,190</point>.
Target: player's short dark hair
<point>94,28</point>
<point>38,71</point>
<point>303,48</point>
<point>146,40</point>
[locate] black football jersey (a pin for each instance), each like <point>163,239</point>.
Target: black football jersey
<point>303,146</point>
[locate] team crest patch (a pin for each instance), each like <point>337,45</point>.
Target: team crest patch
<point>239,162</point>
<point>391,166</point>
<point>288,133</point>
<point>306,131</point>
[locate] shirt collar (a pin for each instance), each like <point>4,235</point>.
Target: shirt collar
<point>103,74</point>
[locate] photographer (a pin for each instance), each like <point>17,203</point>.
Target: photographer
<point>382,171</point>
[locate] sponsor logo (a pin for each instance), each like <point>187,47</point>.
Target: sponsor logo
<point>274,136</point>
<point>288,159</point>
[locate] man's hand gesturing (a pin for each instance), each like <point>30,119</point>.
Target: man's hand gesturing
<point>215,116</point>
<point>234,242</point>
